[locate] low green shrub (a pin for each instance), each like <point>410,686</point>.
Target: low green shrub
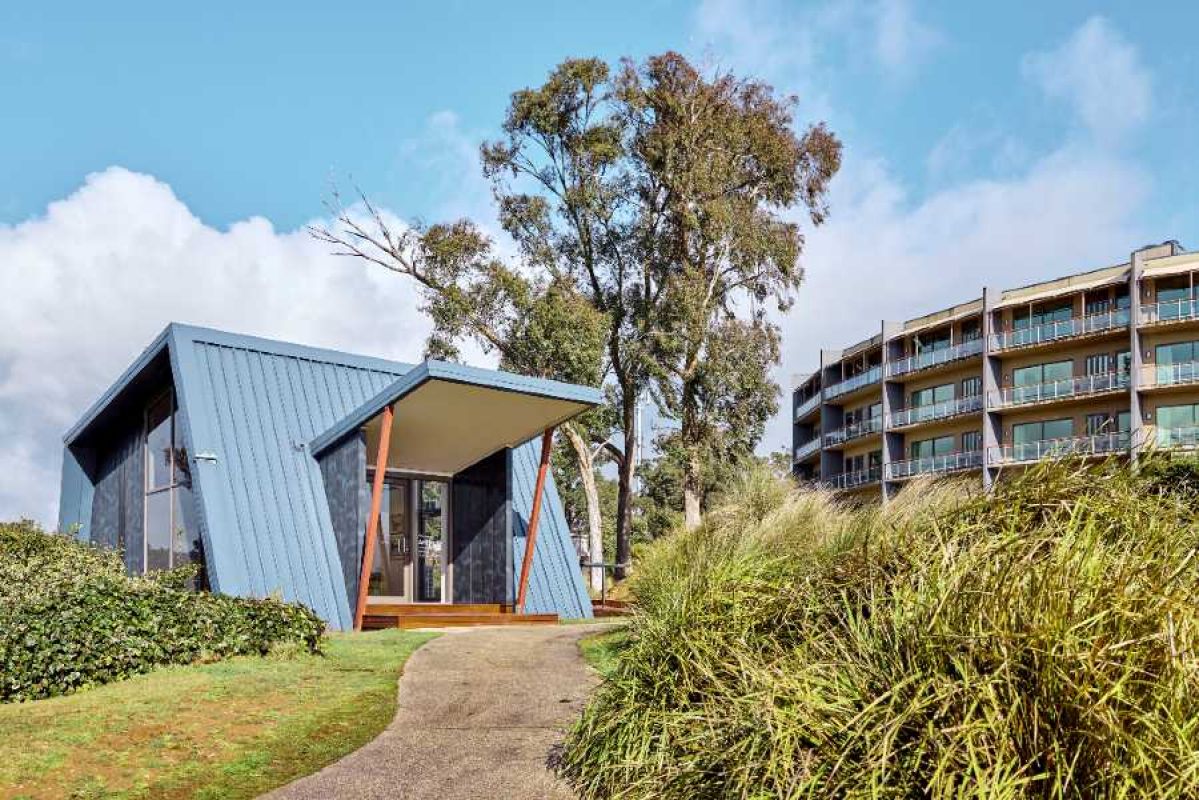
<point>70,618</point>
<point>1036,642</point>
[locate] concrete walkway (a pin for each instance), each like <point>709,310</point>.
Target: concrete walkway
<point>479,711</point>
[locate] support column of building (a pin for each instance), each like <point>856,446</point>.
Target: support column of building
<point>831,416</point>
<point>892,396</point>
<point>992,372</point>
<point>1136,416</point>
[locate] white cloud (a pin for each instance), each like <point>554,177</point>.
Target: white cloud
<point>1100,74</point>
<point>85,287</point>
<point>901,41</point>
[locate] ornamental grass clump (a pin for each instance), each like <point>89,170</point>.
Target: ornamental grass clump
<point>71,618</point>
<point>1036,642</point>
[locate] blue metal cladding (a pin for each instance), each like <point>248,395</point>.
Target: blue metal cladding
<point>252,406</point>
<point>555,582</point>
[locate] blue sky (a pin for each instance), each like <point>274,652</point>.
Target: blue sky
<point>159,162</point>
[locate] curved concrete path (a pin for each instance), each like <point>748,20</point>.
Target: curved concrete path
<point>479,710</point>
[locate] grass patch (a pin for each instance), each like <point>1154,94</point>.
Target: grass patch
<point>601,650</point>
<point>1039,642</point>
<point>232,729</point>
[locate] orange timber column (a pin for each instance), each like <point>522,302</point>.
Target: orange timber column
<point>526,566</point>
<point>372,522</point>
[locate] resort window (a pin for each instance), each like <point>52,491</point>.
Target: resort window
<point>972,441</point>
<point>1024,318</point>
<point>171,537</point>
<point>927,448</point>
<point>1123,362</point>
<point>1176,362</point>
<point>1100,424</point>
<point>972,329</point>
<point>1123,302</point>
<point>1099,364</point>
<point>1174,289</point>
<point>972,387</point>
<point>1097,305</point>
<point>1043,373</point>
<point>931,395</point>
<point>1028,432</point>
<point>933,342</point>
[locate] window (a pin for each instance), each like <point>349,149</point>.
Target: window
<point>1043,373</point>
<point>1100,424</point>
<point>1176,362</point>
<point>972,329</point>
<point>1099,364</point>
<point>171,535</point>
<point>931,395</point>
<point>875,459</point>
<point>1030,432</point>
<point>972,387</point>
<point>972,441</point>
<point>1122,300</point>
<point>1173,419</point>
<point>1123,362</point>
<point>938,340</point>
<point>1174,296</point>
<point>1098,305</point>
<point>1024,318</point>
<point>1124,422</point>
<point>928,448</point>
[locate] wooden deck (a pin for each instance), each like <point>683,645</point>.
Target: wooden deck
<point>409,616</point>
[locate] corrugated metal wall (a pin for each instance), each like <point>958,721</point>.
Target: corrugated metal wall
<point>268,522</point>
<point>555,583</point>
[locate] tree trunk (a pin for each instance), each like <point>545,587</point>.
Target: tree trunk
<point>595,520</point>
<point>624,490</point>
<point>692,466</point>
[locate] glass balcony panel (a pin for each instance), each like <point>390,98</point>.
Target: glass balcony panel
<point>1169,311</point>
<point>931,411</point>
<point>934,465</point>
<point>1176,374</point>
<point>1185,438</point>
<point>1061,329</point>
<point>806,449</point>
<point>1061,448</point>
<point>872,375</point>
<point>935,358</point>
<point>1055,390</point>
<point>807,406</point>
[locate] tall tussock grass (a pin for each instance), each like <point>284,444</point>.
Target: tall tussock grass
<point>1036,642</point>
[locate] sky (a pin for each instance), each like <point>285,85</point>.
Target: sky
<point>160,163</point>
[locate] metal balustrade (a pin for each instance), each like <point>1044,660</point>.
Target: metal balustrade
<point>872,375</point>
<point>1169,311</point>
<point>934,358</point>
<point>852,480</point>
<point>1101,444</point>
<point>854,430</point>
<point>1172,374</point>
<point>932,411</point>
<point>1062,329</point>
<point>806,449</point>
<point>1186,438</point>
<point>807,406</point>
<point>934,465</point>
<point>1080,386</point>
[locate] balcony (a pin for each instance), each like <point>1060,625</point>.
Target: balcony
<point>853,431</point>
<point>806,449</point>
<point>1064,329</point>
<point>807,406</point>
<point>1181,374</point>
<point>854,480</point>
<point>934,411</point>
<point>1082,386</point>
<point>872,375</point>
<point>1025,452</point>
<point>935,358</point>
<point>934,465</point>
<point>1178,438</point>
<point>1169,311</point>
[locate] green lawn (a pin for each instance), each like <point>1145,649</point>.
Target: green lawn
<point>231,729</point>
<point>601,650</point>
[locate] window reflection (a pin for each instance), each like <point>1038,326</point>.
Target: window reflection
<point>171,533</point>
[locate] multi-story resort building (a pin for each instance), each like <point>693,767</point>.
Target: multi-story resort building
<point>1099,363</point>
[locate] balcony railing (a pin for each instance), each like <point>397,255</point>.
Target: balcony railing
<point>852,480</point>
<point>1058,448</point>
<point>1081,386</point>
<point>943,410</point>
<point>934,465</point>
<point>935,358</point>
<point>1169,311</point>
<point>1180,438</point>
<point>1172,374</point>
<point>806,449</point>
<point>807,406</point>
<point>854,430</point>
<point>872,375</point>
<point>1063,329</point>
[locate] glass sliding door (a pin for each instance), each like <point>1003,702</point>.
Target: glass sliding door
<point>410,563</point>
<point>393,550</point>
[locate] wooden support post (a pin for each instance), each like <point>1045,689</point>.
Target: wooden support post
<point>372,522</point>
<point>526,566</point>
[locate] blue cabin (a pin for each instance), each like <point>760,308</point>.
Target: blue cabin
<point>259,460</point>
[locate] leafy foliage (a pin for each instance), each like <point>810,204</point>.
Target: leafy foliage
<point>1038,642</point>
<point>71,618</point>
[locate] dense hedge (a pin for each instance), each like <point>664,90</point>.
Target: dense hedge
<point>1041,641</point>
<point>70,618</point>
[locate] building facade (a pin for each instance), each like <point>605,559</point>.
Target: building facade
<point>258,459</point>
<point>1098,363</point>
